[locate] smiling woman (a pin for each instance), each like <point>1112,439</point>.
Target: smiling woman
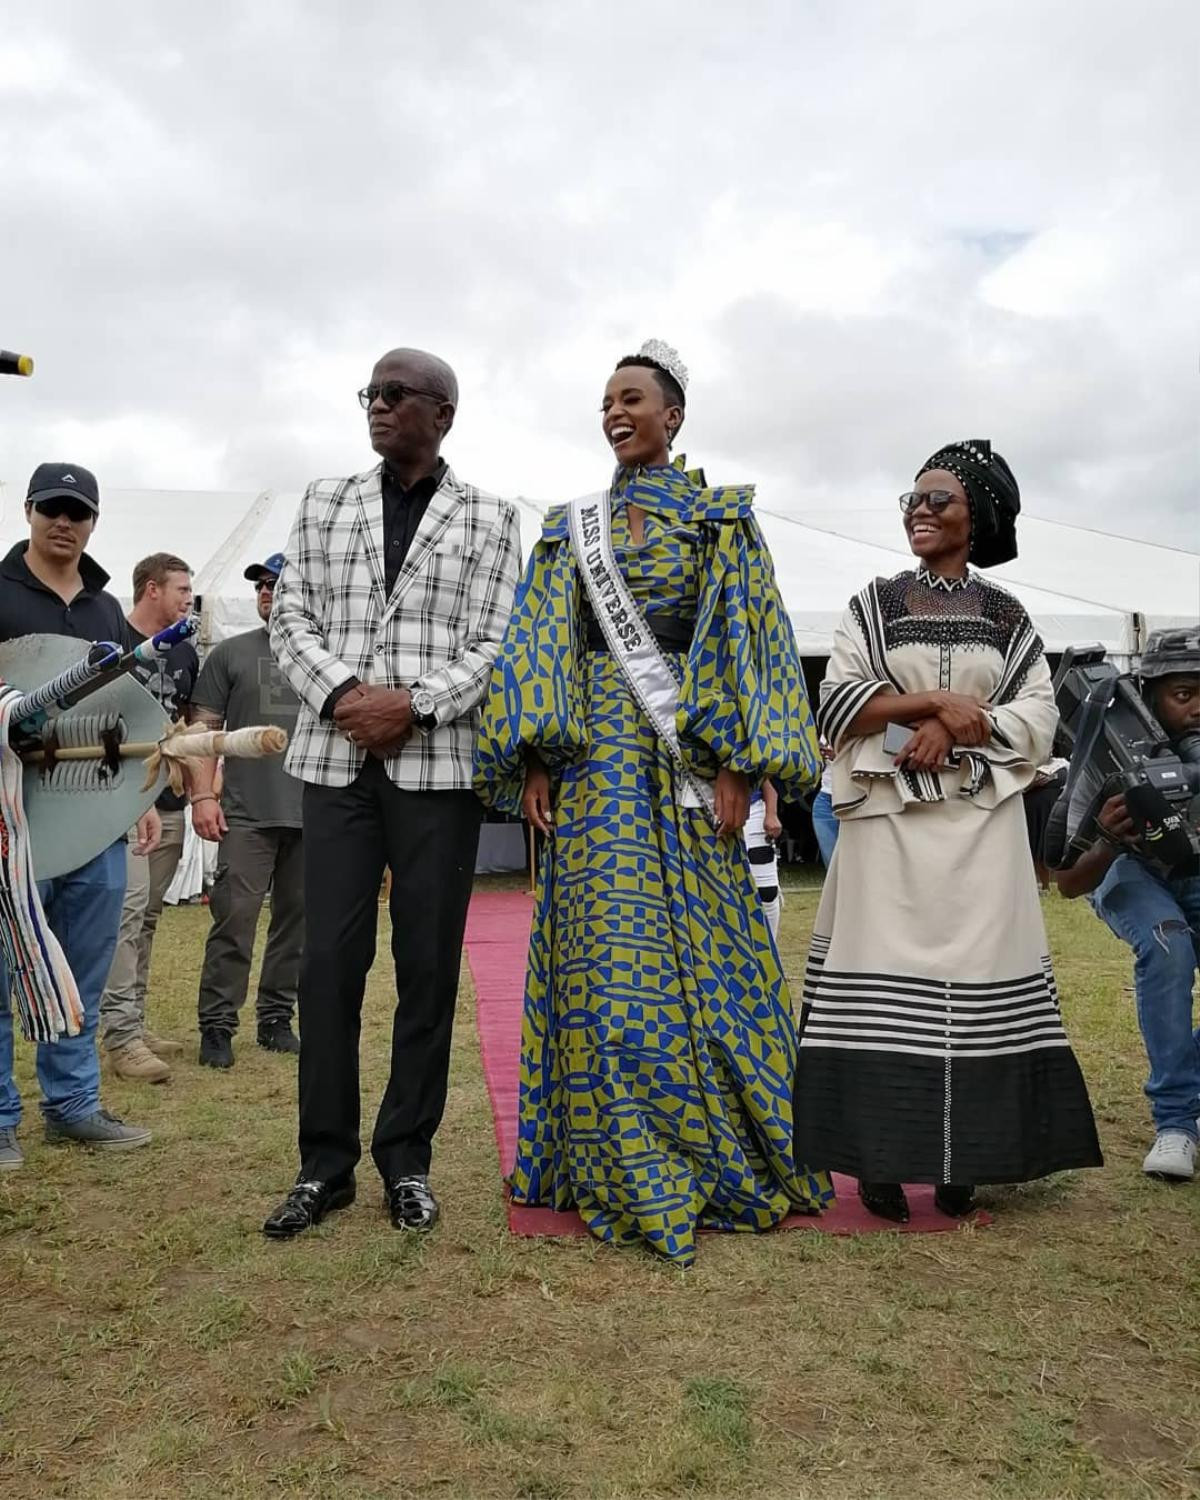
<point>648,681</point>
<point>931,1048</point>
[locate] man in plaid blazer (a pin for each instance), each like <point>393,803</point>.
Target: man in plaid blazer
<point>389,612</point>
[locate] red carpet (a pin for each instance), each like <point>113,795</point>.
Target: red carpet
<point>497,939</point>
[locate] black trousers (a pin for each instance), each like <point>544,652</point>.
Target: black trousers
<point>428,841</point>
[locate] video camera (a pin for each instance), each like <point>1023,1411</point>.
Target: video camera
<point>1118,746</point>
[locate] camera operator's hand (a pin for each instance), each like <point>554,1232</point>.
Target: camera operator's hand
<point>1114,819</point>
<point>965,718</point>
<point>931,743</point>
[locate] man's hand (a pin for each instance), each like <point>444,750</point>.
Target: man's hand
<point>208,820</point>
<point>149,832</point>
<point>931,743</point>
<point>375,718</point>
<point>732,799</point>
<point>963,718</point>
<point>1114,818</point>
<point>772,827</point>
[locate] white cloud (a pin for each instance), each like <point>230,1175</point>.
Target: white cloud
<point>868,228</point>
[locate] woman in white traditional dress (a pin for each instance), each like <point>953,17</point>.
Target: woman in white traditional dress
<point>932,1049</point>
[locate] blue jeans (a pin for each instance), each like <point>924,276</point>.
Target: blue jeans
<point>1160,920</point>
<point>825,825</point>
<point>84,913</point>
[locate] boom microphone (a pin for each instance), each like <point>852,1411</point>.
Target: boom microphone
<point>15,364</point>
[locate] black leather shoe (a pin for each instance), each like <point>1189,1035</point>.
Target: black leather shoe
<point>278,1037</point>
<point>955,1199</point>
<point>884,1199</point>
<point>411,1204</point>
<point>216,1048</point>
<point>306,1205</point>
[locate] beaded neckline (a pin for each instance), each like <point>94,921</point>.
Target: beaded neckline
<point>936,581</point>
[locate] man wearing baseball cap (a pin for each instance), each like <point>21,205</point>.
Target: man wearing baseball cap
<point>49,585</point>
<point>255,818</point>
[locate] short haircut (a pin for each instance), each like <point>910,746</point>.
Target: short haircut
<point>667,384</point>
<point>154,569</point>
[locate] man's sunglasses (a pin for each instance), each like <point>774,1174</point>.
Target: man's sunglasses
<point>936,500</point>
<point>265,585</point>
<point>392,392</point>
<point>64,505</point>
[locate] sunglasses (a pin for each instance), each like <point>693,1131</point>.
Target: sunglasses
<point>936,500</point>
<point>392,392</point>
<point>64,505</point>
<point>265,585</point>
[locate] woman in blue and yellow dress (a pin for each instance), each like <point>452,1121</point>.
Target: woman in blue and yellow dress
<point>658,1046</point>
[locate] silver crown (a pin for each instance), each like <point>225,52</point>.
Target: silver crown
<point>666,359</point>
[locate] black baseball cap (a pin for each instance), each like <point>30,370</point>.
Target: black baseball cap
<point>51,480</point>
<point>269,569</point>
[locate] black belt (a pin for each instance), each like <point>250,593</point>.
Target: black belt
<point>672,632</point>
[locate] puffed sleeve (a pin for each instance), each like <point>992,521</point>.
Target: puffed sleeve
<point>743,703</point>
<point>535,697</point>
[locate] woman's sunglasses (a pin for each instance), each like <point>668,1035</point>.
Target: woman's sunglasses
<point>392,392</point>
<point>936,500</point>
<point>64,505</point>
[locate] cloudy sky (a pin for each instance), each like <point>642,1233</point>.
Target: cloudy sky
<point>869,226</point>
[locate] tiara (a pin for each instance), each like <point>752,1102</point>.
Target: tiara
<point>666,359</point>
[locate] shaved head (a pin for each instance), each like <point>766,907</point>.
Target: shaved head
<point>433,374</point>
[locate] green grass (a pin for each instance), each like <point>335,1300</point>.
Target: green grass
<point>153,1344</point>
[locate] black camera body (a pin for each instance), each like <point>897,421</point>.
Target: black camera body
<point>1118,746</point>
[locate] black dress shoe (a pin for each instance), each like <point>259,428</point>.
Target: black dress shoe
<point>955,1199</point>
<point>885,1199</point>
<point>216,1048</point>
<point>411,1204</point>
<point>306,1205</point>
<point>278,1037</point>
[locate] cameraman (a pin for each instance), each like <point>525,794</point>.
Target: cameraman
<point>1158,917</point>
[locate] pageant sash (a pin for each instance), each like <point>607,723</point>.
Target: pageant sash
<point>630,639</point>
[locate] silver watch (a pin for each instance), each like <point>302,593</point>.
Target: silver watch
<point>424,708</point>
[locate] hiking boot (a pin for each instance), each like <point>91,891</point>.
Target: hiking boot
<point>162,1046</point>
<point>1172,1155</point>
<point>101,1130</point>
<point>278,1037</point>
<point>216,1048</point>
<point>11,1155</point>
<point>137,1064</point>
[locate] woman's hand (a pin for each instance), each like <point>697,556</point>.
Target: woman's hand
<point>964,718</point>
<point>535,800</point>
<point>931,743</point>
<point>732,801</point>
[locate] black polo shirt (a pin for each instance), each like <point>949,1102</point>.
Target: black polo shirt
<point>28,607</point>
<point>402,513</point>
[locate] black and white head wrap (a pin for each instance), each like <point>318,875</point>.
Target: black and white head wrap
<point>992,494</point>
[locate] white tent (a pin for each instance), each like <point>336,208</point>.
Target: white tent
<point>1078,585</point>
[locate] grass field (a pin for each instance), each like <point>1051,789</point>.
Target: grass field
<point>152,1343</point>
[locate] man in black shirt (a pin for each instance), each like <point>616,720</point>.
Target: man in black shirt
<point>49,585</point>
<point>162,594</point>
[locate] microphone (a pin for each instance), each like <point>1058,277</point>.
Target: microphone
<point>15,364</point>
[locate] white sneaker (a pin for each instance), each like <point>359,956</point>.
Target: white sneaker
<point>1172,1155</point>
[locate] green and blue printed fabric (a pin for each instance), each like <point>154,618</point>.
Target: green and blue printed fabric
<point>658,1044</point>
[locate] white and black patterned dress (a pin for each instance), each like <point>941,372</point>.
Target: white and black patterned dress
<point>932,1048</point>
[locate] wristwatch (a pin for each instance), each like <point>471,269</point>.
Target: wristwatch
<point>424,708</point>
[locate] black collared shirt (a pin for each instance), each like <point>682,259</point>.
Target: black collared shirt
<point>402,513</point>
<point>28,607</point>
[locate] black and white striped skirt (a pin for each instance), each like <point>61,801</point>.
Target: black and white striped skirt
<point>932,1047</point>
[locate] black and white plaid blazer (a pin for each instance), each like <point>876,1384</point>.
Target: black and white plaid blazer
<point>440,628</point>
